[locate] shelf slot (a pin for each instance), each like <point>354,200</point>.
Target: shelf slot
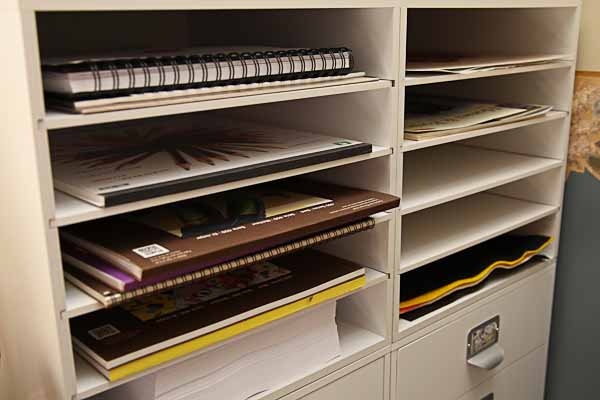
<point>449,228</point>
<point>59,120</point>
<point>79,303</point>
<point>493,284</point>
<point>414,79</point>
<point>411,145</point>
<point>441,174</point>
<point>354,340</point>
<point>70,210</point>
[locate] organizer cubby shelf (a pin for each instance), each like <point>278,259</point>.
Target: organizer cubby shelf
<point>456,191</point>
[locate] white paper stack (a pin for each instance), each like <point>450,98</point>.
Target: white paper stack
<point>260,362</point>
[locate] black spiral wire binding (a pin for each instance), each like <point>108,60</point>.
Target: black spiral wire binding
<point>187,61</point>
<point>162,76</point>
<point>323,70</point>
<point>332,53</point>
<point>303,71</point>
<point>281,55</point>
<point>331,71</point>
<point>350,58</point>
<point>114,74</point>
<point>313,62</point>
<point>146,71</point>
<point>211,59</point>
<point>248,58</point>
<point>176,72</point>
<point>197,60</point>
<point>228,58</point>
<point>130,73</point>
<point>292,74</point>
<point>268,66</point>
<point>208,70</point>
<point>271,74</point>
<point>96,75</point>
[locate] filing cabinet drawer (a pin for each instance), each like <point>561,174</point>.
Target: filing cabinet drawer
<point>364,383</point>
<point>435,366</point>
<point>524,380</point>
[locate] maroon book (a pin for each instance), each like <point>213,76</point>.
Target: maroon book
<point>152,243</point>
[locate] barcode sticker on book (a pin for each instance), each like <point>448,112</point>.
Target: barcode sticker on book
<point>103,332</point>
<point>150,250</point>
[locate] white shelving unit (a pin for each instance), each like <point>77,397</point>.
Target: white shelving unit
<point>457,191</point>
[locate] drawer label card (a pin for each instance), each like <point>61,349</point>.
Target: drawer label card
<point>483,337</point>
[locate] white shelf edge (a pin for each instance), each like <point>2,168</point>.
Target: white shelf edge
<point>542,212</point>
<point>545,164</point>
<point>59,120</point>
<point>483,4</point>
<point>374,277</point>
<point>133,5</point>
<point>78,302</point>
<point>440,78</point>
<point>411,145</point>
<point>455,309</point>
<point>70,210</point>
<point>91,382</point>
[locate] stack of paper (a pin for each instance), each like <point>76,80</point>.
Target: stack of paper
<point>429,117</point>
<point>256,363</point>
<point>466,65</point>
<point>142,334</point>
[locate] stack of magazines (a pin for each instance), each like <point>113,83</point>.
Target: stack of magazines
<point>429,117</point>
<point>123,81</point>
<point>185,276</point>
<point>462,65</point>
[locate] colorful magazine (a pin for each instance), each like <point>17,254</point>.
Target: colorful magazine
<point>120,335</point>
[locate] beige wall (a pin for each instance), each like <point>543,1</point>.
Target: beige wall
<point>589,39</point>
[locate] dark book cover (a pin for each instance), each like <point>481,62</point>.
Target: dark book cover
<point>115,334</point>
<point>137,245</point>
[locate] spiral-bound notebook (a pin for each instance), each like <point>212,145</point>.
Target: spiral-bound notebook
<point>76,84</point>
<point>147,247</point>
<point>91,274</point>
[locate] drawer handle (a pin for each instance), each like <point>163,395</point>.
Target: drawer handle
<point>488,359</point>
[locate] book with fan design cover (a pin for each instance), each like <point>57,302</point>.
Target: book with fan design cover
<point>134,161</point>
